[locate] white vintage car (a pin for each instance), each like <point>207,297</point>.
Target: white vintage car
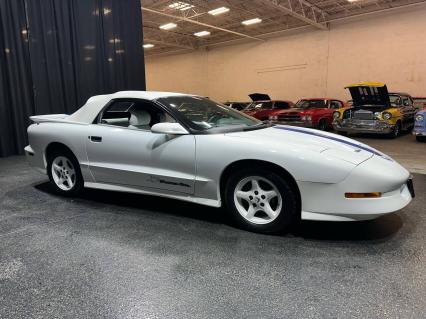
<point>190,148</point>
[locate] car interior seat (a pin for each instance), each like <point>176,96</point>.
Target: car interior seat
<point>140,119</point>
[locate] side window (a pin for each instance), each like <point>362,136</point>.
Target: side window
<point>336,104</point>
<point>136,114</point>
<point>405,101</point>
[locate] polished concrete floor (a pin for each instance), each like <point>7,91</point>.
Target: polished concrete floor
<point>113,255</point>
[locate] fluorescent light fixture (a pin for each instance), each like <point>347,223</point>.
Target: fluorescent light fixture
<point>218,11</point>
<point>252,21</point>
<point>148,46</point>
<point>179,5</point>
<point>202,33</point>
<point>168,26</point>
<point>353,0</point>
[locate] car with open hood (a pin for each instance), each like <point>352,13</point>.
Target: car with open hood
<point>314,112</point>
<point>263,106</point>
<point>375,110</point>
<point>190,148</point>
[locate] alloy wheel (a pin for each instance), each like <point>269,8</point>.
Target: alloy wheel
<point>63,173</point>
<point>257,200</point>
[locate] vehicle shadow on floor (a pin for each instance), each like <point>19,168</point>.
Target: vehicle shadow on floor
<point>378,229</point>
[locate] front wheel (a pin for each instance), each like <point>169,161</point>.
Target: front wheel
<point>396,130</point>
<point>421,138</point>
<point>64,173</point>
<point>322,125</point>
<point>260,200</point>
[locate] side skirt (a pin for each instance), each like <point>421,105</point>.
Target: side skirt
<point>128,189</point>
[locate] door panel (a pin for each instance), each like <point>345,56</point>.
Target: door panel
<point>141,158</point>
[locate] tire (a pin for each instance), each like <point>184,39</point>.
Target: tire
<point>249,211</point>
<point>64,173</point>
<point>342,133</point>
<point>322,125</point>
<point>396,130</point>
<point>421,138</point>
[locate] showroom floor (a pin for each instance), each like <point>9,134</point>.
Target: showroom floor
<point>119,255</point>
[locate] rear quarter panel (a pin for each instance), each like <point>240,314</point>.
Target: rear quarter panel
<point>72,135</point>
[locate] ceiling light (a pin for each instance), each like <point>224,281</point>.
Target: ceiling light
<point>148,46</point>
<point>179,5</point>
<point>252,21</point>
<point>202,33</point>
<point>168,26</point>
<point>218,11</point>
<point>353,0</point>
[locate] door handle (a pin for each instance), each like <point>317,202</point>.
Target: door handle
<point>96,139</point>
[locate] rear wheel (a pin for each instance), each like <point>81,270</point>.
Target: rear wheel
<point>260,200</point>
<point>64,173</point>
<point>421,138</point>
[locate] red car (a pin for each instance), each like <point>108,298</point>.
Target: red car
<point>315,113</point>
<point>263,107</point>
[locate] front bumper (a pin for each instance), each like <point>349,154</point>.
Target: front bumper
<point>328,202</point>
<point>363,126</point>
<point>419,132</point>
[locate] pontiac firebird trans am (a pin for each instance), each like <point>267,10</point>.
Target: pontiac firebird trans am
<point>190,148</point>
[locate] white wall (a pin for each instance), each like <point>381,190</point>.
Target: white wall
<point>389,48</point>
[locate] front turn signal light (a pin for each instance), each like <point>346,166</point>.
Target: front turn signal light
<point>363,195</point>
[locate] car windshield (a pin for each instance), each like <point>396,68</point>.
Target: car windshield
<point>394,99</point>
<point>305,104</point>
<point>205,114</point>
<point>258,105</point>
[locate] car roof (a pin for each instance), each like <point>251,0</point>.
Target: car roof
<point>399,93</point>
<point>88,112</point>
<point>320,98</point>
<point>263,101</point>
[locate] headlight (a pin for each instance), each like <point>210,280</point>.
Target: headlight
<point>419,117</point>
<point>336,115</point>
<point>386,115</point>
<point>307,118</point>
<point>273,117</point>
<point>376,114</point>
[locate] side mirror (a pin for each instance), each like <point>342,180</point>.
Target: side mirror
<point>169,128</point>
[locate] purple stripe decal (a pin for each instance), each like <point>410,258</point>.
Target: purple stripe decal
<point>365,148</point>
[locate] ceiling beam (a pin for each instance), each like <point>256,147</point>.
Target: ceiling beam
<point>301,10</point>
<point>169,43</point>
<point>200,23</point>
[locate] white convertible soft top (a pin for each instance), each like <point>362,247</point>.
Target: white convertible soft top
<point>88,112</point>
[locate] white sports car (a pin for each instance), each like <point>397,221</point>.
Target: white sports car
<point>190,148</point>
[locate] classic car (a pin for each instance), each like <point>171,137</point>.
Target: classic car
<point>237,105</point>
<point>419,103</point>
<point>420,126</point>
<point>262,106</point>
<point>314,112</point>
<point>375,110</point>
<point>266,176</point>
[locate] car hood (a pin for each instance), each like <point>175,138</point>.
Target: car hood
<point>293,111</point>
<point>259,97</point>
<point>296,138</point>
<point>370,95</point>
